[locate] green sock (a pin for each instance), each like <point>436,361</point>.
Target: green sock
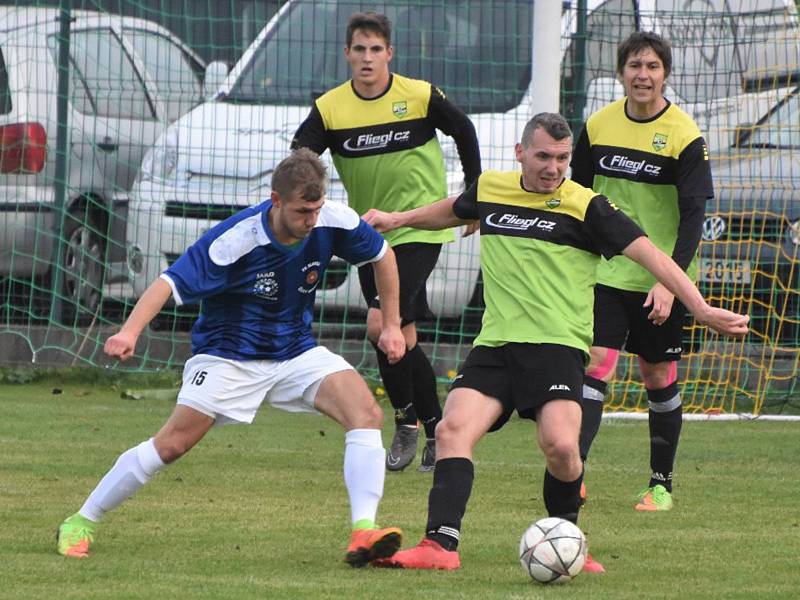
<point>364,524</point>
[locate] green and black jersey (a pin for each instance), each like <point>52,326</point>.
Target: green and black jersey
<point>385,148</point>
<point>657,171</point>
<point>539,254</point>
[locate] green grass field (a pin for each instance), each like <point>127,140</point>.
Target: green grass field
<point>261,511</point>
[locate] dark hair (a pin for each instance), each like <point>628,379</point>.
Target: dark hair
<point>639,41</point>
<point>372,22</point>
<point>301,173</point>
<point>554,124</point>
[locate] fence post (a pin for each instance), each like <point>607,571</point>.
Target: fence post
<point>62,156</point>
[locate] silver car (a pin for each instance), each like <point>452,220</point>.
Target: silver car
<point>128,79</point>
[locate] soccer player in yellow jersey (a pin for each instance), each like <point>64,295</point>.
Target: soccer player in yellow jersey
<point>649,157</point>
<point>381,130</point>
<point>542,237</point>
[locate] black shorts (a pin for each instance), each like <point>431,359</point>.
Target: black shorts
<point>415,262</point>
<point>523,376</point>
<point>620,316</point>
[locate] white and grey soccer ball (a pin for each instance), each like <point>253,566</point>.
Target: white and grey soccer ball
<point>552,550</point>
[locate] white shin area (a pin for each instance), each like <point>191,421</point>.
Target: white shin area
<point>364,472</point>
<point>133,469</point>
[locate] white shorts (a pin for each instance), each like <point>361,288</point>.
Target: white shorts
<point>231,391</point>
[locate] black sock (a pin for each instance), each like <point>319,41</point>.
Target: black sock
<point>562,498</point>
<point>397,379</point>
<point>594,392</point>
<point>426,398</point>
<point>666,418</point>
<point>447,501</point>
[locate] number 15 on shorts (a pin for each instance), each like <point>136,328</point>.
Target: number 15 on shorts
<point>199,377</point>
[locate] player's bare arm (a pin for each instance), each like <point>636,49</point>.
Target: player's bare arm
<point>387,282</point>
<point>644,252</point>
<point>438,215</point>
<point>122,344</point>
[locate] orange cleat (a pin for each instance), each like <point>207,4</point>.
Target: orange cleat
<point>654,498</point>
<point>592,566</point>
<point>428,554</point>
<point>74,536</point>
<point>367,545</point>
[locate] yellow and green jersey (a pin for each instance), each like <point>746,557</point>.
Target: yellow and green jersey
<point>386,151</point>
<point>657,172</point>
<point>539,255</point>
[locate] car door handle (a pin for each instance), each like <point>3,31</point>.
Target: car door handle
<point>107,145</point>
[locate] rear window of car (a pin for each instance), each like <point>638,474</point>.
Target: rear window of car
<point>5,93</point>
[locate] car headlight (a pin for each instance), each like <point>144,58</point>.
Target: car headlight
<point>794,232</point>
<point>161,160</point>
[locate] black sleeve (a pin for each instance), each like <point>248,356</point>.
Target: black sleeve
<point>695,187</point>
<point>582,165</point>
<point>466,205</point>
<point>610,229</point>
<point>311,133</point>
<point>447,117</point>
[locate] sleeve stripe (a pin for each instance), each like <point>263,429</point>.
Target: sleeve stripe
<point>175,294</point>
<point>375,258</point>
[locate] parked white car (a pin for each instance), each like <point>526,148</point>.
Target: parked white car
<point>128,79</point>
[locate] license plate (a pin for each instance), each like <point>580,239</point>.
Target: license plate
<point>724,271</point>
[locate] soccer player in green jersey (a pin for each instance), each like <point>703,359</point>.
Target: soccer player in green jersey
<point>542,236</point>
<point>648,155</point>
<point>381,130</point>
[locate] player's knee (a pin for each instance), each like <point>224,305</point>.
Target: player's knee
<point>561,453</point>
<point>447,432</point>
<point>373,333</point>
<point>374,325</point>
<point>602,363</point>
<point>657,376</point>
<point>367,415</point>
<point>171,448</point>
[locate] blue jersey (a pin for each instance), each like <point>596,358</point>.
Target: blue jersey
<point>257,294</point>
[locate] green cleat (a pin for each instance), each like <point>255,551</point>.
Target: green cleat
<point>75,535</point>
<point>654,498</point>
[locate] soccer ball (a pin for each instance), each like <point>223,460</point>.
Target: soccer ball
<point>552,550</point>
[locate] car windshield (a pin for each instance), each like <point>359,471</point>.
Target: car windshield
<point>477,52</point>
<point>781,129</point>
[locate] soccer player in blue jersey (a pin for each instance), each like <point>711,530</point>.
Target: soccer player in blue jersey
<point>256,274</point>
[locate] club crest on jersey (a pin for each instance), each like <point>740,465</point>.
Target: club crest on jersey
<point>311,271</point>
<point>552,203</point>
<point>659,141</point>
<point>399,109</point>
<point>266,287</point>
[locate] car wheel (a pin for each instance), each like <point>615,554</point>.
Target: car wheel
<point>83,263</point>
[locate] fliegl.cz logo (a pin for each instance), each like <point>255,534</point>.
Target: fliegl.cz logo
<point>622,164</point>
<point>371,141</point>
<point>517,223</point>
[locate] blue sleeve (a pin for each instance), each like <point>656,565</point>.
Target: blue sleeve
<point>195,276</point>
<point>360,245</point>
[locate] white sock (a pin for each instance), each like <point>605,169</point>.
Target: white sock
<point>132,470</point>
<point>364,471</point>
